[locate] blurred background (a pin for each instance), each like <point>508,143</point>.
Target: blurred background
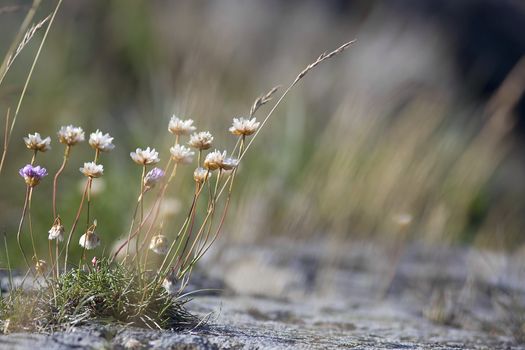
<point>415,133</point>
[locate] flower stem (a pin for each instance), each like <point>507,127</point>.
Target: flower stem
<point>55,180</point>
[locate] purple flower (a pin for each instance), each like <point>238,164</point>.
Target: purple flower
<point>32,174</point>
<point>153,177</point>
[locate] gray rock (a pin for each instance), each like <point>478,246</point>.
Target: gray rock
<point>286,295</point>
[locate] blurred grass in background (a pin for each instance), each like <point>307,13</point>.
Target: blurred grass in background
<point>387,129</point>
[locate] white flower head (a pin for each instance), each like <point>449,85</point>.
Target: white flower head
<point>181,154</point>
<point>201,140</point>
<point>90,239</point>
<point>229,164</point>
<point>214,160</point>
<point>70,135</point>
<point>146,156</point>
<point>200,175</point>
<point>93,170</point>
<point>242,126</point>
<point>100,141</point>
<point>56,231</point>
<point>159,244</point>
<point>36,143</point>
<point>180,127</point>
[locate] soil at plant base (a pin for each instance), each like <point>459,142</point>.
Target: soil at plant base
<point>282,295</point>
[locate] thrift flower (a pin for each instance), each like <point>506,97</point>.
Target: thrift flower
<point>244,127</point>
<point>145,157</point>
<point>200,175</point>
<point>214,160</point>
<point>159,244</point>
<point>92,170</point>
<point>56,231</point>
<point>100,141</point>
<point>153,177</point>
<point>70,135</point>
<point>90,239</point>
<point>181,154</point>
<point>36,143</point>
<point>180,127</point>
<point>201,140</point>
<point>32,174</point>
<point>229,164</point>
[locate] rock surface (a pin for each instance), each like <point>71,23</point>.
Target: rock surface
<point>284,295</point>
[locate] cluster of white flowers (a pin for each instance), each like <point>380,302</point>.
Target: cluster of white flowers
<point>36,143</point>
<point>145,156</point>
<point>70,135</point>
<point>100,141</point>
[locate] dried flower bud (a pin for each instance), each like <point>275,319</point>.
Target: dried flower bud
<point>159,244</point>
<point>90,239</point>
<point>57,230</point>
<point>41,267</point>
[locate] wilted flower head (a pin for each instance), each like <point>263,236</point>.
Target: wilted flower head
<point>229,164</point>
<point>153,177</point>
<point>200,175</point>
<point>180,127</point>
<point>201,140</point>
<point>100,141</point>
<point>70,135</point>
<point>32,174</point>
<point>41,267</point>
<point>90,239</point>
<point>145,157</point>
<point>56,231</point>
<point>92,169</point>
<point>94,262</point>
<point>159,244</point>
<point>36,143</point>
<point>244,127</point>
<point>181,154</point>
<point>214,160</point>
